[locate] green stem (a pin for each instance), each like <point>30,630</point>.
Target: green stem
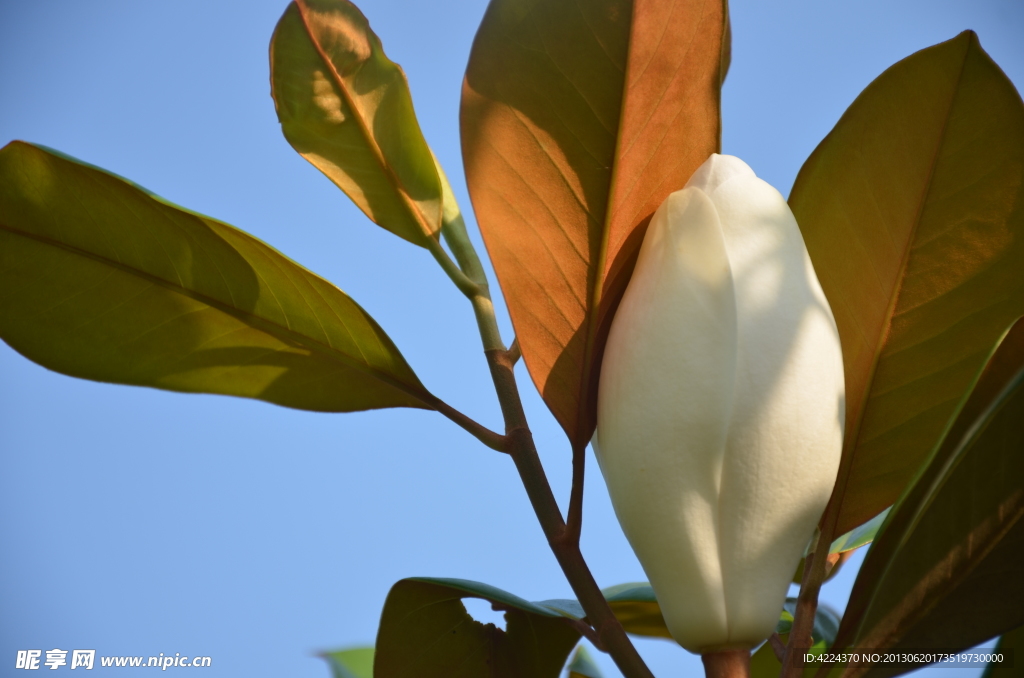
<point>461,280</point>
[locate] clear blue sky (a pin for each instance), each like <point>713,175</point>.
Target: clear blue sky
<point>137,522</point>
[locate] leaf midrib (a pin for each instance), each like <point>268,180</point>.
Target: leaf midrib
<point>258,322</point>
<point>896,294</point>
<point>418,217</point>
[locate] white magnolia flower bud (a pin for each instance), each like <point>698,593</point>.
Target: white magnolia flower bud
<point>721,406</point>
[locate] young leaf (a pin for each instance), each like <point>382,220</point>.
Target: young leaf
<point>578,119</point>
<point>859,536</point>
<point>582,666</point>
<point>947,570</point>
<point>102,280</point>
<point>346,108</point>
<point>354,663</point>
<point>843,546</point>
<point>425,632</point>
<point>912,209</point>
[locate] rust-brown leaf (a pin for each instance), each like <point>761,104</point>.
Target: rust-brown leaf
<point>578,119</point>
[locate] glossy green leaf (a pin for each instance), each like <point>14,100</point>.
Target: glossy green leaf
<point>912,209</point>
<point>100,279</point>
<point>947,570</point>
<point>425,632</point>
<point>578,119</point>
<point>582,665</point>
<point>1014,643</point>
<point>354,663</point>
<point>346,108</point>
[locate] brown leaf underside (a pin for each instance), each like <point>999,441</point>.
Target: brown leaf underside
<point>574,130</point>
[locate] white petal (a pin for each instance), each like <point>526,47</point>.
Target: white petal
<point>663,411</point>
<point>720,406</point>
<point>717,170</point>
<point>787,423</point>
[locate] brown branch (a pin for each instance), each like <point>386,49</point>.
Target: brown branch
<point>807,603</point>
<point>490,438</point>
<point>514,352</point>
<point>518,442</point>
<point>524,454</point>
<point>574,523</point>
<point>588,632</point>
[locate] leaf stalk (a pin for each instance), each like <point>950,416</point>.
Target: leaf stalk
<point>566,549</point>
<point>607,633</point>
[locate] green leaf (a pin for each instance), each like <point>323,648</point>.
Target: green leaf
<point>947,570</point>
<point>425,632</point>
<point>354,663</point>
<point>639,613</point>
<point>764,663</point>
<point>346,108</point>
<point>843,545</point>
<point>637,609</point>
<point>583,666</point>
<point>912,209</point>
<point>101,280</point>
<point>859,536</point>
<point>578,119</point>
<point>1013,641</point>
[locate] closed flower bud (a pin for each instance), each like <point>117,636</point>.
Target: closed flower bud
<point>721,406</point>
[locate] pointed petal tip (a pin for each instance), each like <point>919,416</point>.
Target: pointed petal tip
<point>718,169</point>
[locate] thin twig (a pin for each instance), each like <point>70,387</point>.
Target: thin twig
<point>807,604</point>
<point>574,523</point>
<point>778,647</point>
<point>588,632</point>
<point>567,553</point>
<point>490,438</point>
<point>518,442</point>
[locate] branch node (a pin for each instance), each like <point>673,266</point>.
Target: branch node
<point>514,353</point>
<point>588,632</point>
